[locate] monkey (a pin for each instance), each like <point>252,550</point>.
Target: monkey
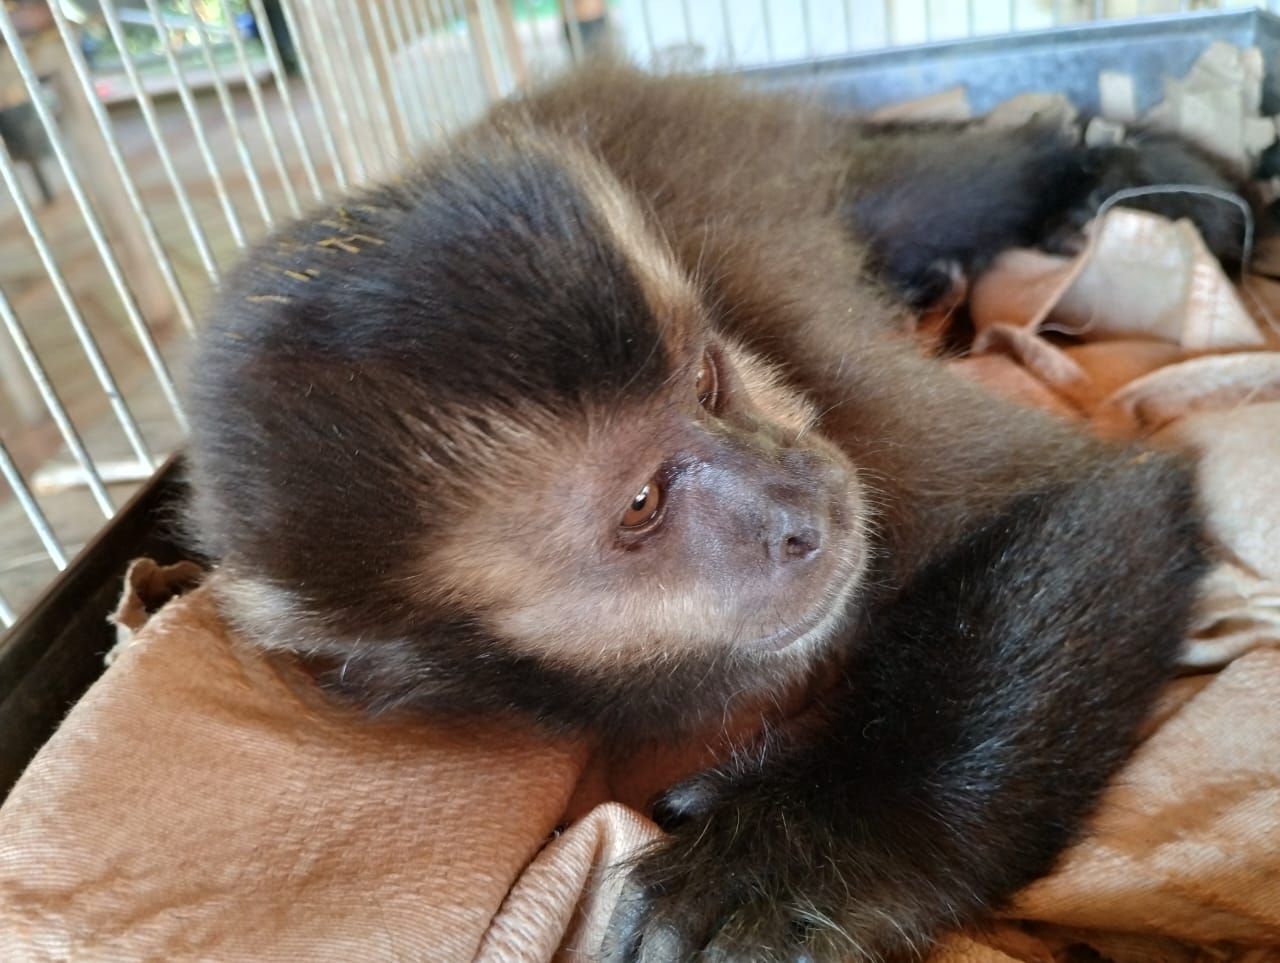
<point>1031,186</point>
<point>604,418</point>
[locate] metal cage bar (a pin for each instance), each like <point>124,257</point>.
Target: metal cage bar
<point>39,523</point>
<point>247,163</point>
<point>286,96</point>
<point>53,404</point>
<point>159,367</point>
<point>327,135</point>
<point>416,81</point>
<point>193,117</point>
<point>264,122</point>
<point>366,140</point>
<point>53,272</point>
<point>403,122</point>
<point>145,223</point>
<point>443,87</point>
<point>148,110</point>
<point>360,171</point>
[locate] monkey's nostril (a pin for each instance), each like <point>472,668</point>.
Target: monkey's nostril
<point>802,544</point>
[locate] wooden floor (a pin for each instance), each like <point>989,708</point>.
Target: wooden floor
<point>25,426</point>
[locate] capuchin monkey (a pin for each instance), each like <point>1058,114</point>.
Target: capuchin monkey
<point>604,417</point>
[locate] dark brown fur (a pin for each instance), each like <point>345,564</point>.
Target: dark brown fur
<point>419,415</point>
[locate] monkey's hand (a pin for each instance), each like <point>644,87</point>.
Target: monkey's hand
<point>763,863</point>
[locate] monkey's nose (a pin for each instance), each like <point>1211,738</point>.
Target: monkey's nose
<point>792,535</point>
<point>801,544</point>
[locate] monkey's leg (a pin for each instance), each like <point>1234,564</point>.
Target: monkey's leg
<point>931,201</point>
<point>974,734</point>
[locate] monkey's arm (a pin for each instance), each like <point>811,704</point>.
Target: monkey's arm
<point>993,702</point>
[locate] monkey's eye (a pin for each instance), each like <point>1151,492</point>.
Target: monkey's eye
<point>644,506</point>
<point>707,384</point>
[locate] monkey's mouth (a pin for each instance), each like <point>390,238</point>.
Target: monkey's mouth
<point>816,628</point>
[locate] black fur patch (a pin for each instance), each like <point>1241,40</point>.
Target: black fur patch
<point>347,352</point>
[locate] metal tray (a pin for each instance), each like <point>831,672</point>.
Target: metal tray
<point>1061,60</point>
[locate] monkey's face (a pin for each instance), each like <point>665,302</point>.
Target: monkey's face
<point>489,424</point>
<point>708,517</point>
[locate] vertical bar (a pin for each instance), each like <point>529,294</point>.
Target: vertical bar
<point>502,14</point>
<point>848,25</point>
<point>472,43</point>
<point>1097,9</point>
<point>575,28</point>
<point>1055,9</point>
<point>928,21</point>
<point>728,34</point>
<point>768,28</point>
<point>313,94</point>
<point>535,35</point>
<point>339,102</point>
<point>688,21</point>
<point>970,19</point>
<point>147,106</point>
<point>395,93</point>
<point>260,108</point>
<point>158,366</point>
<point>7,615</point>
<point>441,79</point>
<point>44,386</point>
<point>90,346</point>
<point>355,90</point>
<point>806,16</point>
<point>286,96</point>
<point>193,117</point>
<point>154,245</point>
<point>233,122</point>
<point>31,508</point>
<point>447,12</point>
<point>435,71</point>
<point>1013,15</point>
<point>386,129</point>
<point>647,14</point>
<point>420,121</point>
<point>486,42</point>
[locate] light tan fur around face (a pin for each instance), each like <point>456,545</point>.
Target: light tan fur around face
<point>537,555</point>
<point>667,290</point>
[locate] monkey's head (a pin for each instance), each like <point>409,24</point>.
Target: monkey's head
<point>472,441</point>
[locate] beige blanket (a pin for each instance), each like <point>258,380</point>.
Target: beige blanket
<point>203,803</point>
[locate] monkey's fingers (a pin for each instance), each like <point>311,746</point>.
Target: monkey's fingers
<point>735,883</point>
<point>643,930</point>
